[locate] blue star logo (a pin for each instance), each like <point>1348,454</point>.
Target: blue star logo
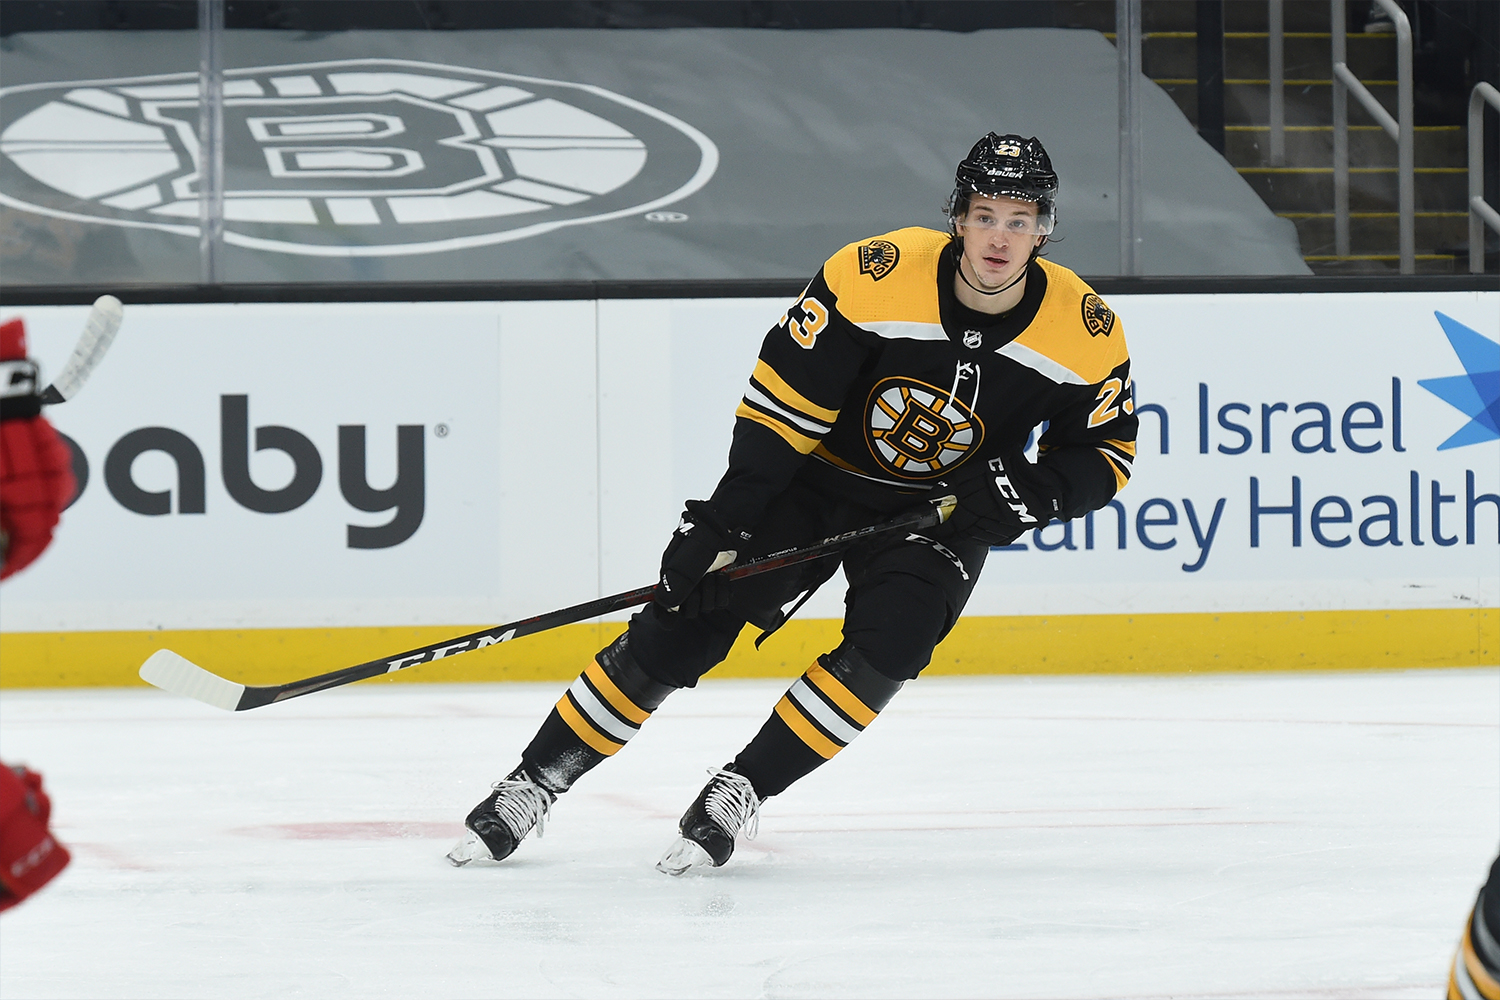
<point>1477,392</point>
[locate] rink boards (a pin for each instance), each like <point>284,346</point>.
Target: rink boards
<point>279,489</point>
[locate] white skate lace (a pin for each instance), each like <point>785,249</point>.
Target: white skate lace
<point>522,804</point>
<point>732,804</point>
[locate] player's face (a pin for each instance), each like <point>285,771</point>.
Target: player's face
<point>999,235</point>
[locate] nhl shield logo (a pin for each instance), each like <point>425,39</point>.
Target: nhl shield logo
<point>917,431</point>
<point>1097,317</point>
<point>351,158</point>
<point>878,258</point>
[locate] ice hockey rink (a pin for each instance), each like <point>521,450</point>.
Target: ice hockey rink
<point>1279,836</point>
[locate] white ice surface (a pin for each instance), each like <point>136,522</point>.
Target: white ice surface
<point>1248,836</point>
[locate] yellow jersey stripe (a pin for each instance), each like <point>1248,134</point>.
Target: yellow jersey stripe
<point>614,695</point>
<point>585,729</point>
<point>801,442</point>
<point>766,376</point>
<point>806,732</point>
<point>1121,475</point>
<point>840,695</point>
<point>1125,447</point>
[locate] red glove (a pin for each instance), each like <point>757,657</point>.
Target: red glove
<point>29,856</point>
<point>36,470</point>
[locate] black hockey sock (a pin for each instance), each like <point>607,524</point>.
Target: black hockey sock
<point>594,718</point>
<point>827,707</point>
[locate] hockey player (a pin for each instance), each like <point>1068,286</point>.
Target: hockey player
<point>30,856</point>
<point>915,364</point>
<point>1475,972</point>
<point>36,477</point>
<point>36,481</point>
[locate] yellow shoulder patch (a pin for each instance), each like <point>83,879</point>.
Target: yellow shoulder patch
<point>1097,317</point>
<point>891,278</point>
<point>1074,330</point>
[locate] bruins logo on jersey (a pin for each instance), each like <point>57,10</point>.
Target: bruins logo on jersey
<point>1097,317</point>
<point>878,258</point>
<point>916,431</point>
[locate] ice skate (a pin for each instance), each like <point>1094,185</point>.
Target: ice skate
<point>726,806</point>
<point>497,825</point>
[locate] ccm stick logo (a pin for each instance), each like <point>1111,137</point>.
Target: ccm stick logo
<point>406,497</point>
<point>478,642</point>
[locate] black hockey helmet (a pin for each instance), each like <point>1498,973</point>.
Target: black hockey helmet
<point>1007,166</point>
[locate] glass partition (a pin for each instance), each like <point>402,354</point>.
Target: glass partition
<point>669,141</point>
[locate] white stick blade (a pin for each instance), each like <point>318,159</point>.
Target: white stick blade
<point>179,675</point>
<point>98,333</point>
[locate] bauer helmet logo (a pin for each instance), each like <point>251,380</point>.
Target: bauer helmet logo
<point>878,258</point>
<point>1097,317</point>
<point>917,431</point>
<point>349,158</point>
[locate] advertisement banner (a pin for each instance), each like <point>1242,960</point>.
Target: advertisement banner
<point>317,465</point>
<point>326,466</point>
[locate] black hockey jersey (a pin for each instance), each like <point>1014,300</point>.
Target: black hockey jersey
<point>880,383</point>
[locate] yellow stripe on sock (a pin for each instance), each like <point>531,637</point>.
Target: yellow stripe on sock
<point>842,696</point>
<point>585,730</point>
<point>621,702</point>
<point>806,732</point>
<point>1486,983</point>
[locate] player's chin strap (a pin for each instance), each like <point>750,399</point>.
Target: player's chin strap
<point>958,251</point>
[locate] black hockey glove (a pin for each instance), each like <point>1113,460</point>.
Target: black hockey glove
<point>1001,500</point>
<point>702,543</point>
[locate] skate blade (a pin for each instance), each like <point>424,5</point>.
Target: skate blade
<point>682,856</point>
<point>469,848</point>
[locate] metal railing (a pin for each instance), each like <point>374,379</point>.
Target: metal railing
<point>1480,212</point>
<point>1276,64</point>
<point>1128,49</point>
<point>210,141</point>
<point>1400,129</point>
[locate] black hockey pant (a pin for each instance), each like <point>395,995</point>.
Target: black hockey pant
<point>905,593</point>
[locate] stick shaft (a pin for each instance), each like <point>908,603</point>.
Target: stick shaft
<point>256,696</point>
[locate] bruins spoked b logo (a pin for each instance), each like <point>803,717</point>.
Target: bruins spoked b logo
<point>878,258</point>
<point>348,158</point>
<point>916,431</point>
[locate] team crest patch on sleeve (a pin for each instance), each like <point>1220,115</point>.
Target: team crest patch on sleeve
<point>1097,317</point>
<point>878,258</point>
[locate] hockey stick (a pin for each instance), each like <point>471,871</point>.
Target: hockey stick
<point>98,333</point>
<point>171,672</point>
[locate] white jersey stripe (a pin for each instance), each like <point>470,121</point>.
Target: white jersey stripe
<point>599,715</point>
<point>899,330</point>
<point>1039,362</point>
<point>754,395</point>
<point>809,702</point>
